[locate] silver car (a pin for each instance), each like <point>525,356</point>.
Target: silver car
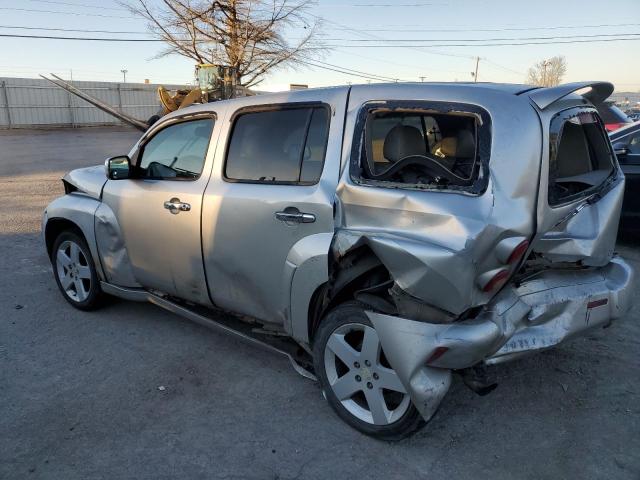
<point>382,237</point>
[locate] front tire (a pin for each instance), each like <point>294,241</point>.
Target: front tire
<point>75,272</point>
<point>356,379</point>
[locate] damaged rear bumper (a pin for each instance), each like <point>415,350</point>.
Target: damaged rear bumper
<point>541,312</point>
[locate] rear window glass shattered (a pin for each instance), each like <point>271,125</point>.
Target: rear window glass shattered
<point>421,147</point>
<point>580,159</point>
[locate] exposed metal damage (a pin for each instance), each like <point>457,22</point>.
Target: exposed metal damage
<point>438,237</point>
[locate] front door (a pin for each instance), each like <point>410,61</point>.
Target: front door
<point>158,209</point>
<point>273,188</point>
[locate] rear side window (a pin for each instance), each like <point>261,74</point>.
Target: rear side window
<point>286,145</point>
<point>580,159</point>
<point>424,145</point>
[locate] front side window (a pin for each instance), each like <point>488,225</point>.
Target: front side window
<point>285,145</point>
<point>580,159</point>
<point>421,145</point>
<point>177,152</point>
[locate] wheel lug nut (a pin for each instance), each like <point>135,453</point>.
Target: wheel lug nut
<point>367,363</point>
<point>369,385</point>
<point>358,378</point>
<point>356,364</point>
<point>375,376</point>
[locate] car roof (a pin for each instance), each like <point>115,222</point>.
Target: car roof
<point>305,94</point>
<point>510,88</point>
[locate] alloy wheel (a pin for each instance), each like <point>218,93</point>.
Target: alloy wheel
<point>73,271</point>
<point>360,376</point>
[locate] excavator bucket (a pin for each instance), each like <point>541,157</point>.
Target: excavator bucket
<point>139,124</point>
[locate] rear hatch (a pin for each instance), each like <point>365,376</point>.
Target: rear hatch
<point>581,188</point>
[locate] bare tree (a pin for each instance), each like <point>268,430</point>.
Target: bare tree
<point>246,35</point>
<point>548,73</point>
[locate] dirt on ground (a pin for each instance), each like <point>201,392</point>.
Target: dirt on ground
<point>131,391</point>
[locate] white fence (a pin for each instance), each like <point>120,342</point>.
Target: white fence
<point>35,102</point>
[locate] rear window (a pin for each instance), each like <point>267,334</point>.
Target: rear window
<point>283,145</point>
<point>420,145</point>
<point>580,158</point>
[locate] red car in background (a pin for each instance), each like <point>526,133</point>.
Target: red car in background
<point>612,116</point>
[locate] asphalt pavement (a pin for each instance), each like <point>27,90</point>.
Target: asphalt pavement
<point>131,391</point>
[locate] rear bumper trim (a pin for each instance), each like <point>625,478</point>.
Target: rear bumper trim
<point>540,313</point>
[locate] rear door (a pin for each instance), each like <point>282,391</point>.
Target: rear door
<point>273,187</point>
<point>581,189</point>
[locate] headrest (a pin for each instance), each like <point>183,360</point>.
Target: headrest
<point>403,141</point>
<point>447,147</point>
<point>466,147</point>
<point>463,145</point>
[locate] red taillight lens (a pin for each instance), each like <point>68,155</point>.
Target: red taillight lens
<point>497,280</point>
<point>518,252</point>
<point>437,353</point>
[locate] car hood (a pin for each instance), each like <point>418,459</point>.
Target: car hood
<point>88,180</point>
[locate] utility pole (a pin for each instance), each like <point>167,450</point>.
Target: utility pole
<point>124,76</point>
<point>475,74</point>
<point>545,63</point>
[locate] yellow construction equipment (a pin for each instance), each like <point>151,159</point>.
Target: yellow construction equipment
<point>214,82</point>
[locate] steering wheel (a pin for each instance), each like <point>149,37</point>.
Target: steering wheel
<point>428,166</point>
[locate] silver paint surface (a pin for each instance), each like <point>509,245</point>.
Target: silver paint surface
<point>231,251</point>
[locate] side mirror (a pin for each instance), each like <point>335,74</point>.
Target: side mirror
<point>117,168</point>
<point>620,148</point>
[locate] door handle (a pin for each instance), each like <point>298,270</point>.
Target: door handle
<point>175,206</point>
<point>293,215</point>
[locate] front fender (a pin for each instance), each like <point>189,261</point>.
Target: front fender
<point>80,210</point>
<point>110,242</point>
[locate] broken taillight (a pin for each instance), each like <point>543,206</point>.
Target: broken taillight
<point>496,281</point>
<point>518,252</point>
<point>436,354</point>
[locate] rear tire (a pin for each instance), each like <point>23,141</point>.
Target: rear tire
<point>357,381</point>
<point>75,272</point>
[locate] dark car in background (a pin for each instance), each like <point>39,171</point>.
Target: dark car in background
<point>612,116</point>
<point>634,116</point>
<point>626,143</point>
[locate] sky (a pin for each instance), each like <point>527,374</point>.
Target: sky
<point>353,31</point>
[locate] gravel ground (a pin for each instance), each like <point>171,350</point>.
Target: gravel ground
<point>132,391</point>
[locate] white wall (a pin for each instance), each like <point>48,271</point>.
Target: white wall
<point>36,102</point>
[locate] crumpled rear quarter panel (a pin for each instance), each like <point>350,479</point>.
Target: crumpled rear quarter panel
<point>436,243</point>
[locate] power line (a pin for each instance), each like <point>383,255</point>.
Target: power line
<point>555,42</point>
<point>392,5</point>
<point>73,30</point>
<point>502,67</point>
<point>370,35</point>
<point>100,7</point>
<point>367,76</point>
<point>404,28</point>
<point>400,40</point>
<point>326,66</point>
<point>63,13</point>
<point>88,39</point>
<point>372,76</point>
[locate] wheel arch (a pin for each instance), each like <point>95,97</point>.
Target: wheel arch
<point>348,274</point>
<point>56,226</point>
<point>75,212</point>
